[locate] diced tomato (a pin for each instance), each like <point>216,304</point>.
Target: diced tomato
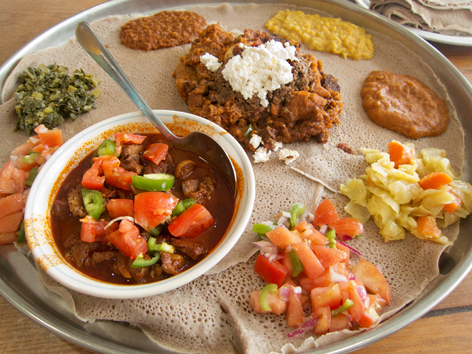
<point>192,222</point>
<point>323,316</point>
<point>11,204</point>
<point>23,149</point>
<point>11,223</point>
<point>125,138</point>
<point>12,180</point>
<point>128,240</point>
<point>48,137</point>
<point>325,214</point>
<point>373,279</point>
<point>270,271</point>
<point>331,298</point>
<point>8,237</point>
<point>156,152</point>
<point>346,250</point>
<point>348,227</point>
<point>287,262</point>
<point>152,208</point>
<point>316,237</point>
<point>369,317</point>
<point>294,312</point>
<point>311,265</point>
<point>39,148</point>
<point>27,163</point>
<point>328,256</point>
<point>339,322</point>
<point>114,174</point>
<point>276,303</point>
<point>324,280</point>
<point>93,178</point>
<point>120,207</point>
<point>94,231</point>
<point>282,237</point>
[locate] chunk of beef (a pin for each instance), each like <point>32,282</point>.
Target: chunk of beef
<point>78,251</point>
<point>99,257</point>
<point>151,167</point>
<point>172,264</point>
<point>204,190</point>
<point>190,186</point>
<point>61,209</point>
<point>130,157</point>
<point>123,266</point>
<point>345,147</point>
<point>189,248</point>
<point>76,202</point>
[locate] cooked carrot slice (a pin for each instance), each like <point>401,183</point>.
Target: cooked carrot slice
<point>400,154</point>
<point>426,226</point>
<point>452,207</point>
<point>434,180</point>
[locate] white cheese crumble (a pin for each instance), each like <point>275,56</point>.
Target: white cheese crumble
<point>210,61</point>
<point>261,155</point>
<point>277,145</point>
<point>259,70</point>
<point>255,141</point>
<point>288,156</point>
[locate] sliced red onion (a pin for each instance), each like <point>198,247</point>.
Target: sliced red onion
<point>353,250</point>
<point>266,247</point>
<point>335,276</point>
<point>119,218</point>
<point>352,276</point>
<point>297,290</point>
<point>367,302</point>
<point>34,140</point>
<point>284,293</point>
<point>361,291</point>
<point>268,223</point>
<point>349,318</point>
<point>42,129</point>
<point>273,257</point>
<point>323,229</point>
<point>282,221</point>
<point>346,238</point>
<point>288,248</point>
<point>307,325</point>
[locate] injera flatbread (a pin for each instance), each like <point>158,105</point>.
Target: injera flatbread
<point>212,314</point>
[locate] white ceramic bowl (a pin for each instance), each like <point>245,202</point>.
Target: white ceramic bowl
<point>45,188</point>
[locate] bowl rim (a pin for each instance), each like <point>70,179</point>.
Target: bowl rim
<point>37,214</point>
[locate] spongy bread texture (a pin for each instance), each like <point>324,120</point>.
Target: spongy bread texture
<point>212,314</point>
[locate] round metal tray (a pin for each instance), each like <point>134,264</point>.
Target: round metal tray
<point>19,280</point>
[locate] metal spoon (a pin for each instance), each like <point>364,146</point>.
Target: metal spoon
<point>198,141</point>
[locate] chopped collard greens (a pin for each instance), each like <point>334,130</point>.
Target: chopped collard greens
<point>48,95</point>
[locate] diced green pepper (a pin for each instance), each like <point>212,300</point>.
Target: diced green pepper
<point>140,262</point>
<point>295,212</point>
<point>263,297</point>
<point>32,175</point>
<point>182,205</point>
<point>344,307</point>
<point>156,231</point>
<point>30,158</point>
<point>159,247</point>
<point>297,266</point>
<point>93,202</point>
<point>331,236</point>
<point>21,233</point>
<point>262,228</point>
<point>156,182</point>
<point>108,147</point>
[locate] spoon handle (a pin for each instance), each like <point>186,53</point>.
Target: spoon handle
<point>95,48</point>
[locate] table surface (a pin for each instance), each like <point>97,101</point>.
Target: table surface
<point>445,329</point>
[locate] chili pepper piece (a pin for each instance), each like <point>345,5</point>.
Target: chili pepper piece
<point>156,182</point>
<point>93,202</point>
<point>269,288</point>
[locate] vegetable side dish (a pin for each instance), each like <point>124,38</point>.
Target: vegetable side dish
<point>323,33</point>
<point>311,279</point>
<point>18,175</point>
<point>48,95</point>
<point>403,190</point>
<point>163,30</point>
<point>140,210</point>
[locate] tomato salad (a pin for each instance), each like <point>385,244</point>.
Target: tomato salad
<point>140,210</point>
<point>309,274</point>
<point>18,175</point>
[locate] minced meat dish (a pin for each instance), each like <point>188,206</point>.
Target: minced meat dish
<point>307,106</point>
